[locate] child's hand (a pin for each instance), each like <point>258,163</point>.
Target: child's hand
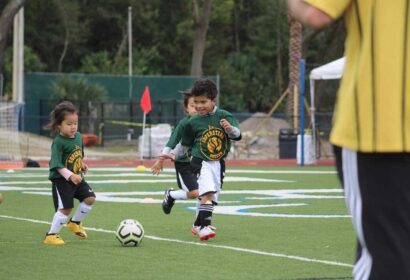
<point>76,179</point>
<point>157,167</point>
<point>84,168</point>
<point>226,125</point>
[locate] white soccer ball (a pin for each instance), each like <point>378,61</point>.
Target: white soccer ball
<point>130,233</point>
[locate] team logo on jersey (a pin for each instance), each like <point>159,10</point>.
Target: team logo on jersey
<point>213,143</point>
<point>74,161</point>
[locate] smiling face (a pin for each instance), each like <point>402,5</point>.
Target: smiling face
<point>69,125</point>
<point>203,104</point>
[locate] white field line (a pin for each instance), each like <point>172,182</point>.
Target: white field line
<point>172,170</point>
<point>231,248</point>
<point>148,181</point>
<point>94,174</point>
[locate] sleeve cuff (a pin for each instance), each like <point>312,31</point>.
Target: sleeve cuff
<point>65,173</point>
<point>166,150</point>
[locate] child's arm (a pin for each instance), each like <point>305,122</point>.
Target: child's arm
<point>179,151</point>
<point>70,176</point>
<point>232,131</point>
<point>166,151</point>
<point>168,156</point>
<point>157,167</point>
<point>65,173</point>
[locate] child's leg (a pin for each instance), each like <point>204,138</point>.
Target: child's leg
<point>205,217</point>
<point>187,183</point>
<point>178,194</point>
<point>208,184</point>
<point>63,194</point>
<point>59,219</point>
<point>85,194</point>
<point>197,221</point>
<point>205,210</point>
<point>83,209</point>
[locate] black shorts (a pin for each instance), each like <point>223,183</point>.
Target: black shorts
<point>64,193</point>
<point>377,190</point>
<point>186,178</point>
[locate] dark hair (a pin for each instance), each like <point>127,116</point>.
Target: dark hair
<point>187,95</point>
<point>58,114</point>
<point>205,87</point>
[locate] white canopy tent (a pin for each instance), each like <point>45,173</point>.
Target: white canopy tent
<point>330,71</point>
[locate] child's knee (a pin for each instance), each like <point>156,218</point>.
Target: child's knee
<point>207,197</point>
<point>192,194</point>
<point>89,200</point>
<point>66,211</point>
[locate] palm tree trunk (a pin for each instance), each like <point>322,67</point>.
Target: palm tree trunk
<point>295,54</point>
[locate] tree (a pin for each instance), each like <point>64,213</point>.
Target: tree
<point>6,19</point>
<point>201,28</point>
<point>245,42</point>
<point>32,63</point>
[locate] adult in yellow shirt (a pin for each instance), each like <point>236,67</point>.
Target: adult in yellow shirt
<point>371,128</point>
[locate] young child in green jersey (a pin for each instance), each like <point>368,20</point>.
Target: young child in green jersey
<point>66,174</point>
<point>186,179</point>
<point>208,135</point>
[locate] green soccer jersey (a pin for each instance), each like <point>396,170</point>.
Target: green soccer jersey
<point>206,136</point>
<point>66,153</point>
<point>175,138</point>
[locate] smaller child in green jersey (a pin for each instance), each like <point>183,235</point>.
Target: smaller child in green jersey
<point>66,174</point>
<point>208,135</point>
<point>186,179</point>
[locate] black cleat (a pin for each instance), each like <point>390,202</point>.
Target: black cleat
<point>168,202</point>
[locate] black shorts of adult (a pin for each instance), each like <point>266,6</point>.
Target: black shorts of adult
<point>65,192</point>
<point>377,191</point>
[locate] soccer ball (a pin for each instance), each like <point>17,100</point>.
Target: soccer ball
<point>130,233</point>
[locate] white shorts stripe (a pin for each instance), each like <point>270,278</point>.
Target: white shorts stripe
<point>184,187</point>
<point>354,204</point>
<point>60,202</point>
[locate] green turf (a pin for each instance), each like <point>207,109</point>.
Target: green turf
<point>246,246</point>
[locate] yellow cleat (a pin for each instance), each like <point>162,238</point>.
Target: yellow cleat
<point>53,239</point>
<point>77,229</point>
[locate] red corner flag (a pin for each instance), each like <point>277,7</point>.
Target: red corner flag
<point>145,102</point>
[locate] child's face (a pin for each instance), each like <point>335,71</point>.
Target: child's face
<point>203,104</point>
<point>69,125</point>
<point>190,108</point>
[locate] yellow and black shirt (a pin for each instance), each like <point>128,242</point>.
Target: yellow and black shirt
<point>373,105</point>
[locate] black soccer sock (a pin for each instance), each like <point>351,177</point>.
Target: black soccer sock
<point>197,222</point>
<point>205,214</point>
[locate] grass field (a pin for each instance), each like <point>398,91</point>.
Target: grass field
<point>272,223</point>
